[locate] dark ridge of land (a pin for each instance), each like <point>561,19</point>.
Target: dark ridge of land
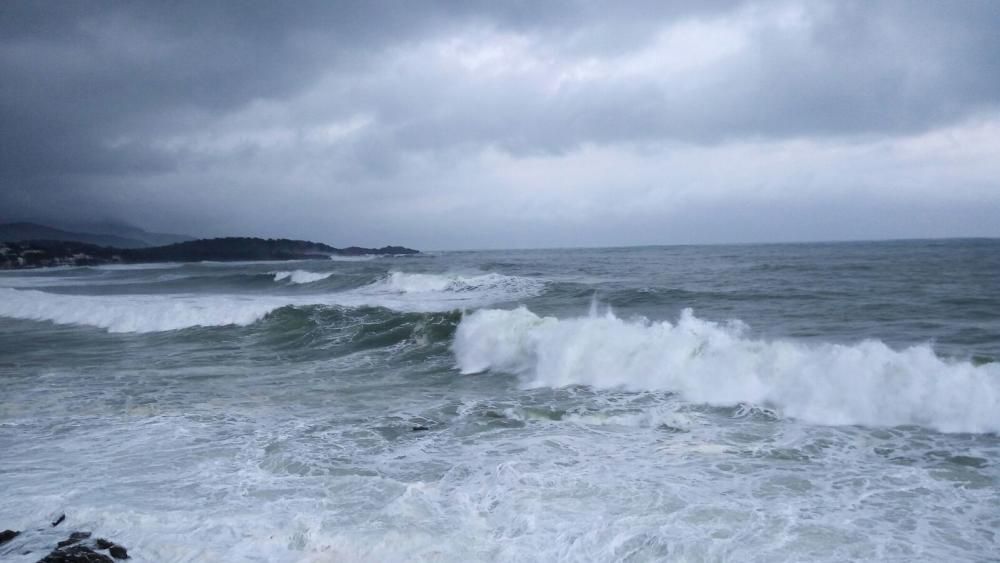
<point>106,234</point>
<point>16,232</point>
<point>45,253</point>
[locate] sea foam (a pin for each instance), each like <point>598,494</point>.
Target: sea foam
<point>508,286</point>
<point>161,312</point>
<point>136,313</point>
<point>359,258</point>
<point>867,383</point>
<point>301,276</point>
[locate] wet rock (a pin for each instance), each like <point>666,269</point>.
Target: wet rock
<point>71,550</point>
<point>76,554</point>
<point>116,551</point>
<point>77,548</point>
<point>7,535</point>
<point>75,537</point>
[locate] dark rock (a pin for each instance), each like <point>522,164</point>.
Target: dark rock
<point>76,554</point>
<point>77,548</point>
<point>7,535</point>
<point>75,537</point>
<point>117,551</point>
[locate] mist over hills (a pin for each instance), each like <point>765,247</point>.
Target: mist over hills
<point>99,234</point>
<point>126,230</point>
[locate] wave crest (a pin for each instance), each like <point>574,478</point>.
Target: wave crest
<point>301,276</point>
<point>511,286</point>
<point>867,383</point>
<point>135,313</point>
<point>418,293</point>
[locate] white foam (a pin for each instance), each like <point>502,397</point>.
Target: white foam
<point>509,286</point>
<point>660,416</point>
<point>442,292</point>
<point>301,276</point>
<point>161,312</point>
<point>136,313</point>
<point>416,283</point>
<point>867,383</point>
<point>663,415</point>
<point>361,258</point>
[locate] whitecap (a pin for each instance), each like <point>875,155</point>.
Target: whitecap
<point>359,258</point>
<point>162,312</point>
<point>301,276</point>
<point>867,383</point>
<point>136,313</point>
<point>415,283</point>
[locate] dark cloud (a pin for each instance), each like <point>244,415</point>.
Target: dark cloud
<point>112,107</point>
<point>853,69</point>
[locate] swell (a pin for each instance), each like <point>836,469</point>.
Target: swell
<point>304,332</point>
<point>144,312</point>
<point>867,383</point>
<point>649,296</point>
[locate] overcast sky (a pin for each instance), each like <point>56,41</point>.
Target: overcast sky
<point>505,124</point>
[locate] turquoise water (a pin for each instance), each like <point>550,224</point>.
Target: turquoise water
<point>755,402</point>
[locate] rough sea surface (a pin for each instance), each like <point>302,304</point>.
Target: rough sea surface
<point>801,402</point>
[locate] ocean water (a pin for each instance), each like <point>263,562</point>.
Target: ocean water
<point>803,402</point>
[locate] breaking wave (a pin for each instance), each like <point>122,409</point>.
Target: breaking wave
<point>136,313</point>
<point>360,258</point>
<point>301,276</point>
<point>866,383</point>
<point>449,291</point>
<point>417,293</point>
<point>512,286</point>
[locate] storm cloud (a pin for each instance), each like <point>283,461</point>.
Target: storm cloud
<point>463,124</point>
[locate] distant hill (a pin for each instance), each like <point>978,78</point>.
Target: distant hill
<point>13,232</point>
<point>124,230</point>
<point>43,253</point>
<point>118,235</point>
<point>229,249</point>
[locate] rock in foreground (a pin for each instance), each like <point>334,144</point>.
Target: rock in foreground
<point>77,548</point>
<point>7,535</point>
<point>75,554</point>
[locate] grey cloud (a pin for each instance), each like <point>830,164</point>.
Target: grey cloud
<point>91,90</point>
<point>856,71</point>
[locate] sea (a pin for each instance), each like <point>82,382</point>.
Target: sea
<point>773,402</point>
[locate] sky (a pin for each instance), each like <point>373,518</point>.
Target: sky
<point>464,124</point>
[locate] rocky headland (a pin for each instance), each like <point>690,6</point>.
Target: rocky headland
<point>46,253</point>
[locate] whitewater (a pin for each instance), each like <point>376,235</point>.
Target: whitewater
<point>821,402</point>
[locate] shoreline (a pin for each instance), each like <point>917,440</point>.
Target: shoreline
<point>35,254</point>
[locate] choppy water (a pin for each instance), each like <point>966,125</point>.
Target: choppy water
<point>773,402</point>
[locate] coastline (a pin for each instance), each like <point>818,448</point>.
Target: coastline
<point>33,254</point>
